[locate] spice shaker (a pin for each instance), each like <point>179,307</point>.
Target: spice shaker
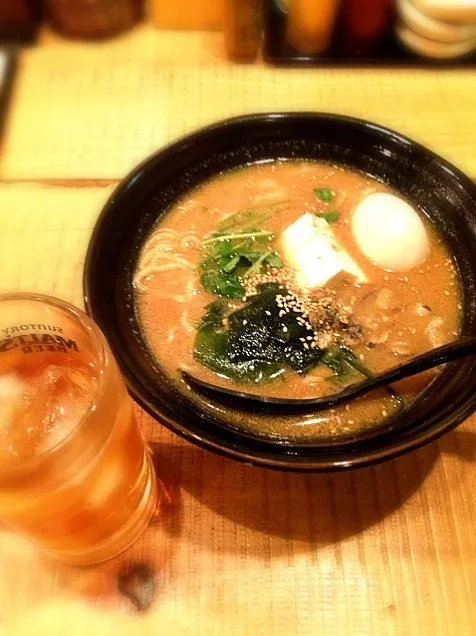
<point>243,21</point>
<point>93,19</point>
<point>310,24</point>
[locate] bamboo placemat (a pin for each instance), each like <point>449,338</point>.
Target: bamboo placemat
<point>388,550</point>
<point>85,111</point>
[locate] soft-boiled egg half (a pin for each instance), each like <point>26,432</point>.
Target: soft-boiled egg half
<point>390,232</point>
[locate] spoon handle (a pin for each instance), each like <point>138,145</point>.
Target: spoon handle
<point>424,362</point>
<point>429,360</point>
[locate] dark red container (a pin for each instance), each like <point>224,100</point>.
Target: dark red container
<point>18,20</point>
<point>364,24</point>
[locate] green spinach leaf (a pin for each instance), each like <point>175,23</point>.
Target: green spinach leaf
<point>219,282</point>
<point>274,260</point>
<point>231,257</point>
<point>346,364</point>
<point>343,362</point>
<point>231,264</point>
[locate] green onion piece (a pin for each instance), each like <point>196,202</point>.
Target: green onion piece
<point>324,194</point>
<point>331,217</point>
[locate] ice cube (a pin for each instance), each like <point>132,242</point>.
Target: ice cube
<point>11,387</point>
<point>29,420</point>
<point>71,397</point>
<point>36,416</point>
<point>12,391</point>
<point>76,381</point>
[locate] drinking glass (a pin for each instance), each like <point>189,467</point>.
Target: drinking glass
<point>76,476</point>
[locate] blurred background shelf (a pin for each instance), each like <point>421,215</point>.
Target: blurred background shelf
<point>390,53</point>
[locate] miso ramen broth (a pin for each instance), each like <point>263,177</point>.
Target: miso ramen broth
<point>274,279</point>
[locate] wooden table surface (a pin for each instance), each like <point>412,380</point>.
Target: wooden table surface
<point>382,551</point>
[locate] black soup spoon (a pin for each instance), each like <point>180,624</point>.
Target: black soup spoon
<point>251,402</point>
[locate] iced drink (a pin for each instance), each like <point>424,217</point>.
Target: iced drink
<point>75,473</point>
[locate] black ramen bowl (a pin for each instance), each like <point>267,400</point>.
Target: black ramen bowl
<point>426,180</point>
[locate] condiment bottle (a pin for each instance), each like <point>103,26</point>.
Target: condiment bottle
<point>18,20</point>
<point>243,27</point>
<point>363,25</point>
<point>93,19</point>
<point>310,24</point>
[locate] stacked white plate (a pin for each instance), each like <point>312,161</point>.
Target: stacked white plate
<point>444,29</point>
